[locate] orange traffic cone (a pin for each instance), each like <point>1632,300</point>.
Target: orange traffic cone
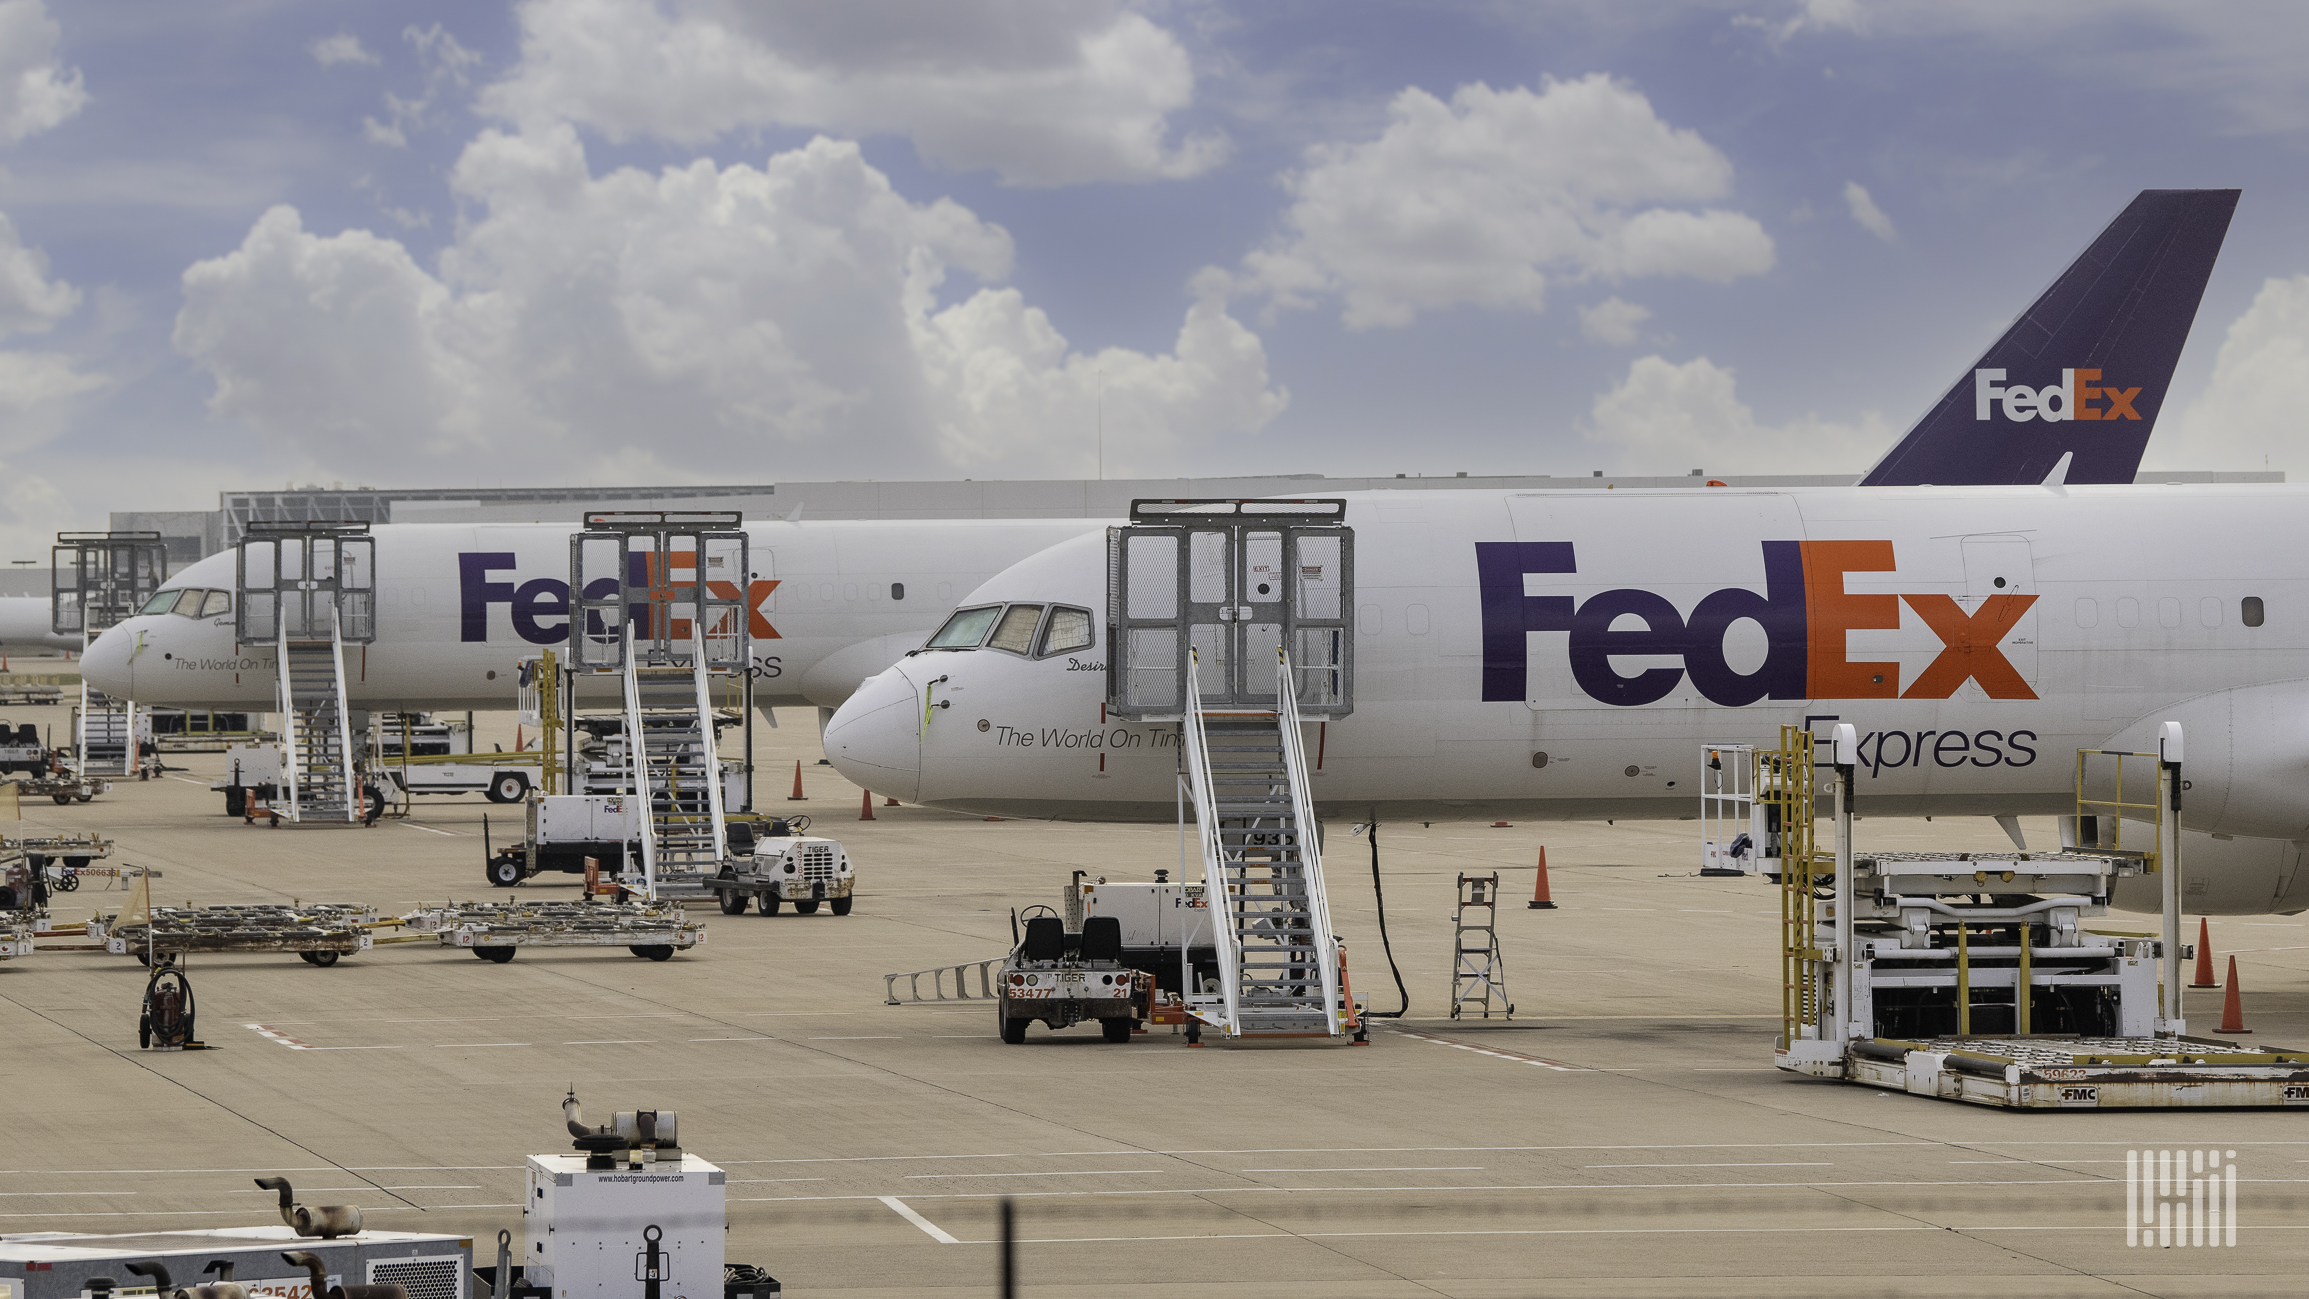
<point>2232,1008</point>
<point>1539,898</point>
<point>889,802</point>
<point>2204,977</point>
<point>518,743</point>
<point>866,807</point>
<point>797,795</point>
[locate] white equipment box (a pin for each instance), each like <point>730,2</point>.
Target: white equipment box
<point>585,1226</point>
<point>588,818</point>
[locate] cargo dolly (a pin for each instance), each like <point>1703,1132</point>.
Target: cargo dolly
<point>1971,976</point>
<point>319,933</point>
<point>494,931</point>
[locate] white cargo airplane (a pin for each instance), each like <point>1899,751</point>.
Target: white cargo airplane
<point>460,606</point>
<point>1566,655</point>
<point>26,624</point>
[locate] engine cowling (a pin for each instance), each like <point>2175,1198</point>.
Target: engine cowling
<point>2246,759</point>
<point>2224,876</point>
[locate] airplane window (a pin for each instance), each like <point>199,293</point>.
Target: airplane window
<point>189,603</point>
<point>162,601</point>
<point>219,602</point>
<point>2251,612</point>
<point>897,590</point>
<point>1069,629</point>
<point>1016,632</point>
<point>965,629</point>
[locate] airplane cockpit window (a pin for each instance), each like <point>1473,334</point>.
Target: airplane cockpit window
<point>219,602</point>
<point>966,629</point>
<point>1016,630</point>
<point>162,601</point>
<point>189,603</point>
<point>1067,629</point>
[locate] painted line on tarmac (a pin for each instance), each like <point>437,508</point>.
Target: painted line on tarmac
<point>1515,1056</point>
<point>273,1034</point>
<point>447,834</point>
<point>929,1228</point>
<point>1080,1172</point>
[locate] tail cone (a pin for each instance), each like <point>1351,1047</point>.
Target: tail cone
<point>1539,898</point>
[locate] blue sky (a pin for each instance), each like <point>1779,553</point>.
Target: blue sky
<point>686,240</point>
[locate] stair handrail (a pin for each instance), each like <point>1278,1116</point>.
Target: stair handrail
<point>355,799</point>
<point>1217,901</point>
<point>292,769</point>
<point>1310,838</point>
<point>707,739</point>
<point>637,763</point>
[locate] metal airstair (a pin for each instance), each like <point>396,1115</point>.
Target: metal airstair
<point>660,600</point>
<point>100,579</point>
<point>309,591</point>
<point>1230,617</point>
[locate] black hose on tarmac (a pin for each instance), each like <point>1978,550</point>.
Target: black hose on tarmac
<point>1379,895</point>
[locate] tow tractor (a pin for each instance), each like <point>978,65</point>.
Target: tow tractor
<point>773,860</point>
<point>21,749</point>
<point>1071,968</point>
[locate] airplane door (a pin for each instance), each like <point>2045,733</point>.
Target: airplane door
<point>2003,565</point>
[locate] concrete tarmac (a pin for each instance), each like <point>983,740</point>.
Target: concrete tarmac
<point>1624,1134</point>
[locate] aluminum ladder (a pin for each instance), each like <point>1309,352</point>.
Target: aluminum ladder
<point>1478,975</point>
<point>1279,968</point>
<point>673,767</point>
<point>321,780</point>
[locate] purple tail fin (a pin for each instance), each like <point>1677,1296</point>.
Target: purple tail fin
<point>2084,369</point>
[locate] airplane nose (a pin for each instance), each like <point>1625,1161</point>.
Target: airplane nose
<point>107,666</point>
<point>875,738</point>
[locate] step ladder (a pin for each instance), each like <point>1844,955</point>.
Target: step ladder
<point>106,735</point>
<point>322,781</point>
<point>1279,964</point>
<point>1478,976</point>
<point>671,764</point>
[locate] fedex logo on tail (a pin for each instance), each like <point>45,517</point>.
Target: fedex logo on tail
<point>1804,611</point>
<point>2078,395</point>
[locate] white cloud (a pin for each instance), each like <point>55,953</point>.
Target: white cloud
<point>1043,92</point>
<point>447,65</point>
<point>1666,418</point>
<point>1613,321</point>
<point>1865,211</point>
<point>2250,415</point>
<point>1481,200</point>
<point>344,47</point>
<point>687,324</point>
<point>30,302</point>
<point>36,92</point>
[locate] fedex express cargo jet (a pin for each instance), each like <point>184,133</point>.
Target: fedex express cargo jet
<point>459,606</point>
<point>1567,654</point>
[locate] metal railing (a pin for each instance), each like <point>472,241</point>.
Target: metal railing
<point>1309,836</point>
<point>1219,900</point>
<point>1784,781</point>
